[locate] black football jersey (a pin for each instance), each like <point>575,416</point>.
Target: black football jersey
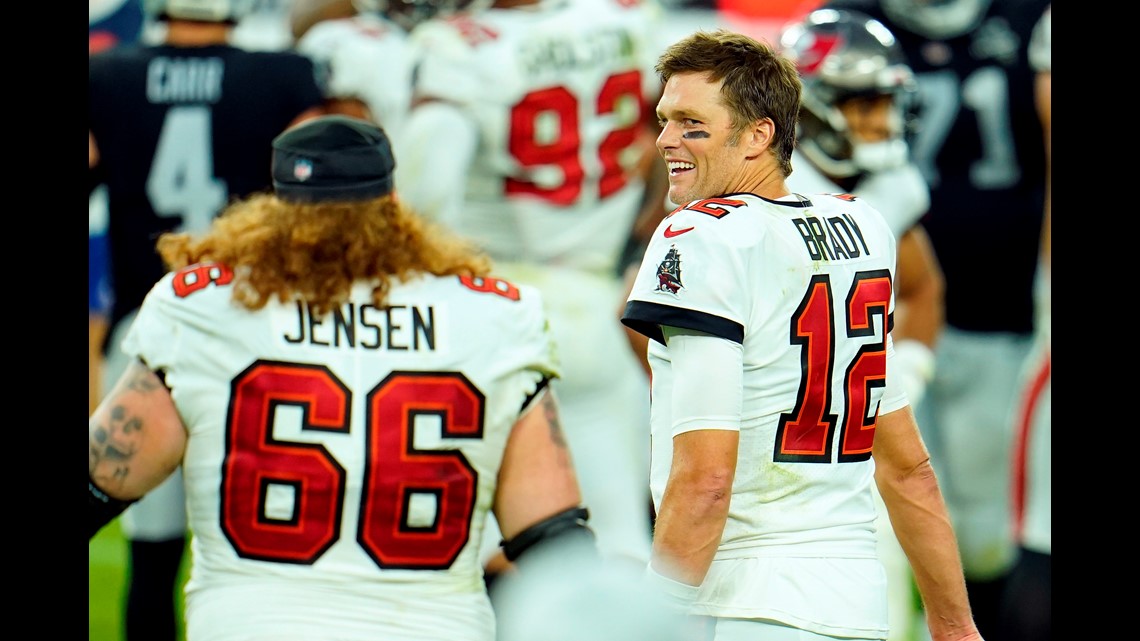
<point>980,146</point>
<point>181,132</point>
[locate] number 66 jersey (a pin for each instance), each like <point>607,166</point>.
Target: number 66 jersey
<point>347,458</point>
<point>805,286</point>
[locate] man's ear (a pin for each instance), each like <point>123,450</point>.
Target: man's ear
<point>759,137</point>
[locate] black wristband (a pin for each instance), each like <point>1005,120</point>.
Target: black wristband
<point>101,508</point>
<point>567,522</point>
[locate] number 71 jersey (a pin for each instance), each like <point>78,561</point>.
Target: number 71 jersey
<point>806,287</point>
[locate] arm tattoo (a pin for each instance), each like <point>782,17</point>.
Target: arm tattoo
<point>114,442</point>
<point>143,380</point>
<point>550,411</point>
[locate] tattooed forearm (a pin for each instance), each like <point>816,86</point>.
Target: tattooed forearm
<point>550,411</point>
<point>114,440</point>
<point>135,437</point>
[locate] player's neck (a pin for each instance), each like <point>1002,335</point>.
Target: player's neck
<point>186,33</point>
<point>767,183</point>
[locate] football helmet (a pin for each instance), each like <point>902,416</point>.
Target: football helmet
<point>409,13</point>
<point>936,19</point>
<point>200,10</point>
<point>842,54</point>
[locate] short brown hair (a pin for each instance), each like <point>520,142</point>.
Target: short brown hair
<point>758,82</point>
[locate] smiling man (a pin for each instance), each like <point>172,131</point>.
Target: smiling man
<point>769,315</point>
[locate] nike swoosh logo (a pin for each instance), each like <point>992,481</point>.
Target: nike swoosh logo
<point>670,232</point>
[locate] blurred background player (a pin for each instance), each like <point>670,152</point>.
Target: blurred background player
<point>1027,607</point>
<point>304,14</point>
<point>857,91</point>
<point>177,129</point>
<point>544,172</point>
<point>349,392</point>
<point>979,146</point>
<point>367,55</point>
<point>264,26</point>
<point>110,22</point>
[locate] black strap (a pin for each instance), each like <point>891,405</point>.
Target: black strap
<point>571,521</point>
<point>101,508</point>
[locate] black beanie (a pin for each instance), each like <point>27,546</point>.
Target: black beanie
<point>332,158</point>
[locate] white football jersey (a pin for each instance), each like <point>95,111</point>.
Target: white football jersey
<point>558,90</point>
<point>339,469</point>
<point>265,27</point>
<point>900,194</point>
<point>368,57</point>
<point>806,287</point>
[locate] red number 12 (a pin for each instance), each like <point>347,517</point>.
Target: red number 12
<point>805,434</point>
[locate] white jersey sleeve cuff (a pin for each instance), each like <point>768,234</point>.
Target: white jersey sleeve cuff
<point>708,375</point>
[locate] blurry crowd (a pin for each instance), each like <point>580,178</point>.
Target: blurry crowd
<point>554,173</point>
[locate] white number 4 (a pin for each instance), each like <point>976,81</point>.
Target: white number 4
<point>181,180</point>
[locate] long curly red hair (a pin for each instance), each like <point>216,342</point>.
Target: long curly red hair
<point>316,251</point>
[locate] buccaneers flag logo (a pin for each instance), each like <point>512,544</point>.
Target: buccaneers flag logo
<point>669,272</point>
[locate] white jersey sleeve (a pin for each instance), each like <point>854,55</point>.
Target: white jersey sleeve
<point>710,287</point>
<point>368,58</point>
<point>446,63</point>
<point>708,383</point>
<point>340,468</point>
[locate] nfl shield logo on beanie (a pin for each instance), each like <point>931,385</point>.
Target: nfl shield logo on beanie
<point>302,170</point>
<point>332,158</point>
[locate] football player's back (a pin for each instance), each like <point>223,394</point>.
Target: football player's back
<point>368,59</point>
<point>375,434</point>
<point>558,135</point>
<point>345,417</point>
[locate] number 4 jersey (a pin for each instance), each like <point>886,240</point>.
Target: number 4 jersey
<point>806,287</point>
<point>349,458</point>
<point>181,131</point>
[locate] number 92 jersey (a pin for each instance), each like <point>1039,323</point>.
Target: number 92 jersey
<point>558,92</point>
<point>350,458</point>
